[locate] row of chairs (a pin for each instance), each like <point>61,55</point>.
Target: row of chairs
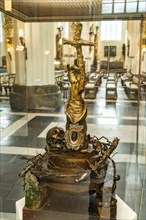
<point>111,86</point>
<point>134,84</point>
<point>6,83</point>
<point>93,82</point>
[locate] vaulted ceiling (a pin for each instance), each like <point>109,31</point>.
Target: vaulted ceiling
<point>50,10</point>
<point>61,10</point>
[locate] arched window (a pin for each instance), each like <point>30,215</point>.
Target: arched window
<point>111,30</point>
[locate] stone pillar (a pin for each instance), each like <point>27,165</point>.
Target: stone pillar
<point>87,57</point>
<point>37,68</point>
<point>133,28</point>
<point>19,55</point>
<point>2,43</point>
<point>8,43</point>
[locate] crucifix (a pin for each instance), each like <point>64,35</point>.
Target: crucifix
<point>76,110</point>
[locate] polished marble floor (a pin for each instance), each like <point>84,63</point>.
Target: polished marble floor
<point>23,134</point>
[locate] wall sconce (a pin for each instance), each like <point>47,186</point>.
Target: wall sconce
<point>9,40</point>
<point>22,41</point>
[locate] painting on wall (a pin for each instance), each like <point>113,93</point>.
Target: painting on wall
<point>111,50</point>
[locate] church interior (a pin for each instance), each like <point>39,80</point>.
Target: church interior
<point>35,86</point>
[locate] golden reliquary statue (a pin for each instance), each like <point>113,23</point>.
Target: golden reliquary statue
<point>76,167</point>
<point>76,110</point>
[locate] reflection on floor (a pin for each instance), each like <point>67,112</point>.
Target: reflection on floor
<point>24,134</point>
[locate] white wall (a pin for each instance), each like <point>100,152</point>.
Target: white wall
<point>133,31</point>
<point>19,55</point>
<point>40,62</point>
<point>118,44</point>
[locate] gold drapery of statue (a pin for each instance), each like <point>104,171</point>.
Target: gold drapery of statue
<point>75,108</point>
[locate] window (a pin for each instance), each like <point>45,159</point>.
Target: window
<point>131,6</point>
<point>111,30</point>
<point>107,6</point>
<point>119,6</point>
<point>142,6</point>
<point>123,6</point>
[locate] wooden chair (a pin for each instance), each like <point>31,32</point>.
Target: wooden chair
<point>66,88</point>
<point>4,81</point>
<point>90,88</point>
<point>8,83</point>
<point>132,87</point>
<point>111,87</point>
<point>2,77</point>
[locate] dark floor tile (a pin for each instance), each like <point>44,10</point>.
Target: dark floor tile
<point>142,213</point>
<point>10,183</point>
<point>7,120</point>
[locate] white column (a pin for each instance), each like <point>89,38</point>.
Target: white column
<point>2,51</point>
<point>2,41</point>
<point>87,58</point>
<point>134,37</point>
<point>40,53</point>
<point>19,55</point>
<point>38,68</point>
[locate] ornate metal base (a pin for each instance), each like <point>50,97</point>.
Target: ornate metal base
<point>80,175</point>
<point>64,205</point>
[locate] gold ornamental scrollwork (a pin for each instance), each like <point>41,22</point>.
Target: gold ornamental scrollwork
<point>7,25</point>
